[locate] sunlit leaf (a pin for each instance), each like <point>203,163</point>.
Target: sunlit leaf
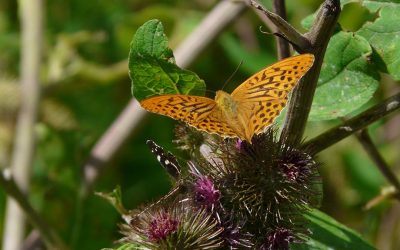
<point>152,67</point>
<point>348,79</point>
<point>384,33</point>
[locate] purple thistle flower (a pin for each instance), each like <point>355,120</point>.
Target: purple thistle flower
<point>176,226</point>
<point>239,144</point>
<point>278,239</point>
<point>205,192</point>
<point>161,227</point>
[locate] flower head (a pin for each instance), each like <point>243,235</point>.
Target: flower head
<point>266,183</point>
<point>162,226</point>
<point>205,192</point>
<point>179,225</point>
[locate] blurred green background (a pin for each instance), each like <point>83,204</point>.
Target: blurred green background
<point>84,77</point>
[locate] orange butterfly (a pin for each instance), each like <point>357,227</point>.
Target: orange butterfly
<point>250,108</point>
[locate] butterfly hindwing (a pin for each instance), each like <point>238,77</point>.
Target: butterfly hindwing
<point>264,114</point>
<point>216,123</point>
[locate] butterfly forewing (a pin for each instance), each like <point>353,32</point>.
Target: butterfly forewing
<point>262,97</point>
<point>275,81</point>
<point>189,109</point>
<point>197,111</point>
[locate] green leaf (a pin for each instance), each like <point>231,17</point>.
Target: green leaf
<point>114,198</point>
<point>326,233</point>
<point>384,33</point>
<point>308,21</point>
<point>347,80</point>
<point>150,40</point>
<point>152,67</point>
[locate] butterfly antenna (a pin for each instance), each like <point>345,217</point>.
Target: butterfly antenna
<point>234,72</point>
<point>210,91</point>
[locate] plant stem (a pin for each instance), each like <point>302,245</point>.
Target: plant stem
<point>282,44</point>
<point>315,42</point>
<point>352,125</point>
<point>300,102</point>
<point>222,14</point>
<point>31,14</point>
<point>373,152</point>
<point>48,235</point>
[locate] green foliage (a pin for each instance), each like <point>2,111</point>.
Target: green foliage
<point>152,68</point>
<point>384,34</point>
<point>252,60</point>
<point>367,183</point>
<point>349,76</point>
<point>347,80</point>
<point>115,199</point>
<point>327,233</point>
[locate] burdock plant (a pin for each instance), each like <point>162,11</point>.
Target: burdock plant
<point>230,193</point>
<point>234,193</point>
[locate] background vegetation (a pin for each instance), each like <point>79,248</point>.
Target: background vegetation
<point>85,85</point>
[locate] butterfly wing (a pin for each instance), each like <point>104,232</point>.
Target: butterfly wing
<point>197,111</point>
<point>166,159</point>
<point>260,114</point>
<point>274,81</point>
<point>264,95</point>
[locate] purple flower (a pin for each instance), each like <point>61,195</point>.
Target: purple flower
<point>239,144</point>
<point>161,227</point>
<point>205,192</point>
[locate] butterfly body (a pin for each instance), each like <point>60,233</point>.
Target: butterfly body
<point>247,111</point>
<point>229,109</point>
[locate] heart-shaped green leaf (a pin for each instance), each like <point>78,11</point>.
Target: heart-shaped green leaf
<point>348,79</point>
<point>152,67</point>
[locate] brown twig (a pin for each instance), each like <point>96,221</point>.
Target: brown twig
<point>368,145</point>
<point>283,27</point>
<point>31,13</point>
<point>352,125</point>
<point>282,45</point>
<point>300,102</point>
